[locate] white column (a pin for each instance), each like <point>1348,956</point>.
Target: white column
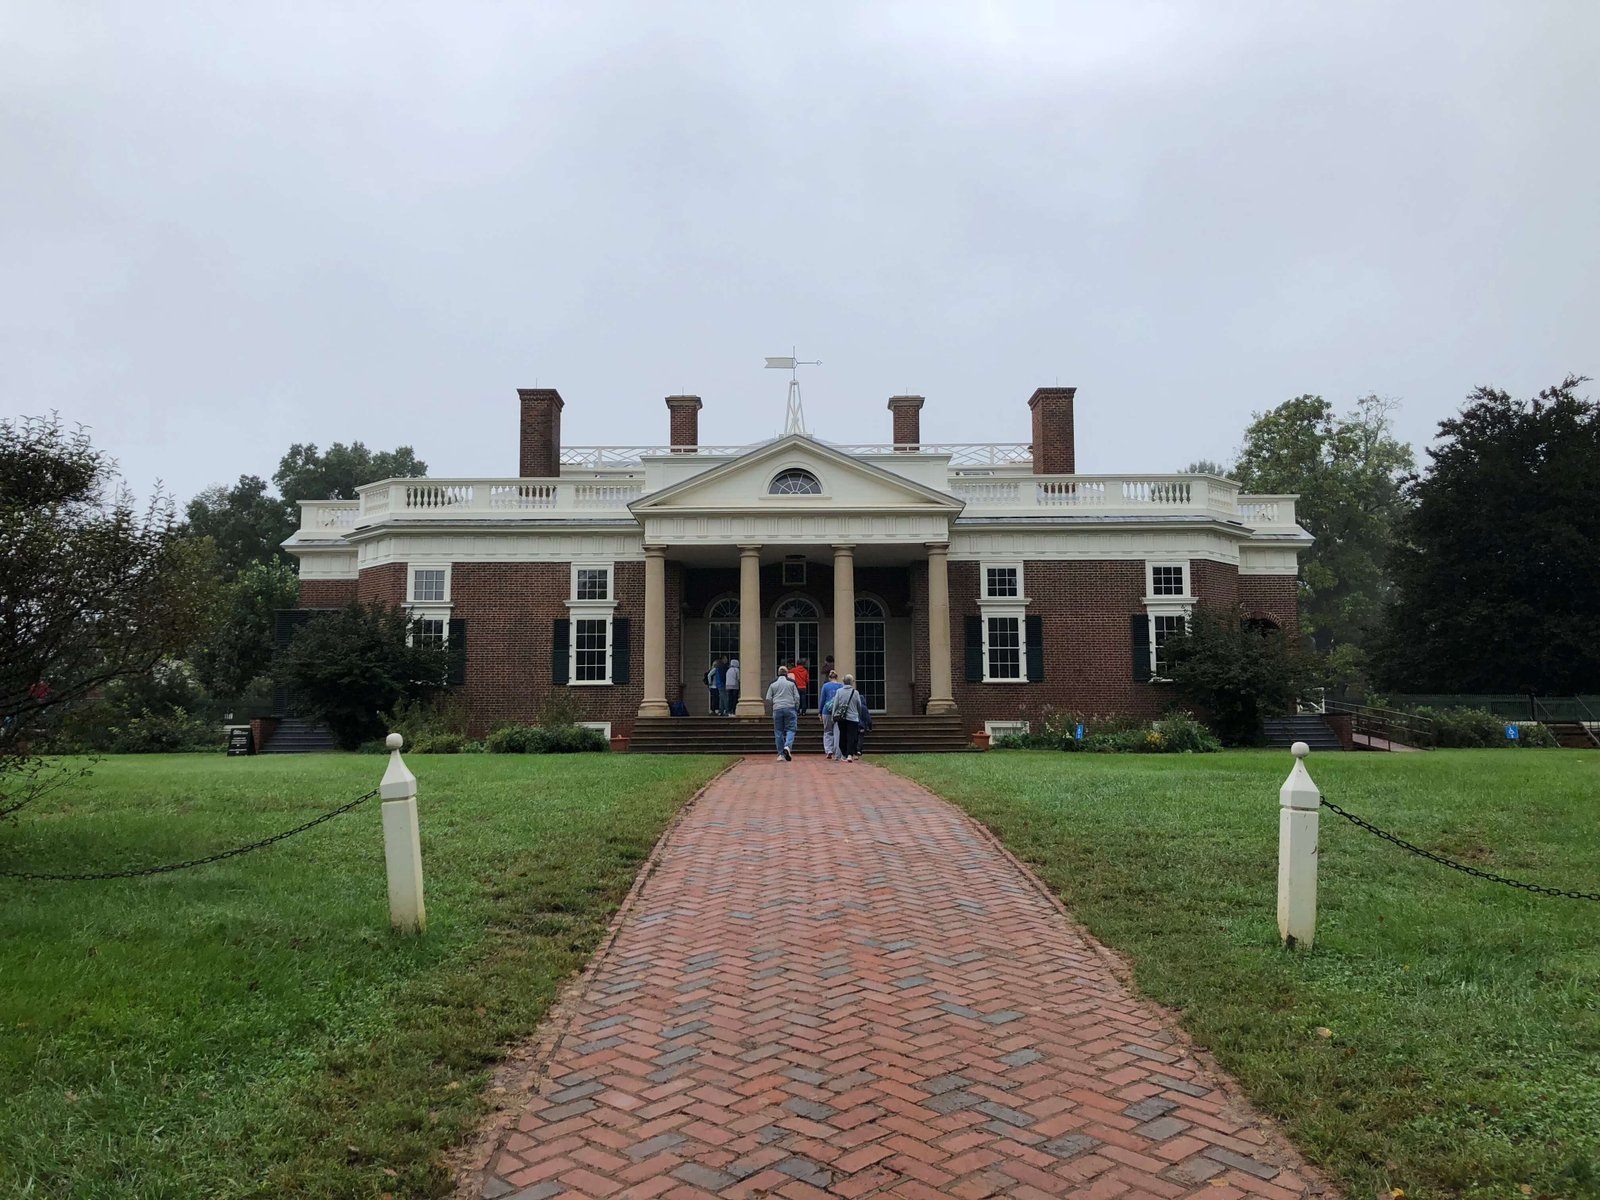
<point>654,701</point>
<point>940,699</point>
<point>752,671</point>
<point>1299,803</point>
<point>844,610</point>
<point>402,842</point>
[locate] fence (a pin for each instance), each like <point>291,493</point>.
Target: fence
<point>1300,802</point>
<point>402,847</point>
<point>1525,707</point>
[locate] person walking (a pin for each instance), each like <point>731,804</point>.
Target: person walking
<point>830,727</point>
<point>730,682</point>
<point>714,686</point>
<point>802,680</point>
<point>847,708</point>
<point>785,700</point>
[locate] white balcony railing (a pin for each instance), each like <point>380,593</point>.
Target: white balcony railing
<point>328,518</point>
<point>494,497</point>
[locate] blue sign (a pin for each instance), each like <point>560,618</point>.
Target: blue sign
<point>1080,733</point>
<point>1513,733</point>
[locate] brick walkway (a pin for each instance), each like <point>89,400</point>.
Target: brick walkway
<point>834,985</point>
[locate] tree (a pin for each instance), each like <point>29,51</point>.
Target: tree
<point>239,644</point>
<point>92,589</point>
<point>1497,575</point>
<point>246,523</point>
<point>1349,472</point>
<point>306,474</point>
<point>1237,672</point>
<point>349,667</point>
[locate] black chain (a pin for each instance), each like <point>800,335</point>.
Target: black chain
<point>136,872</point>
<point>1537,889</point>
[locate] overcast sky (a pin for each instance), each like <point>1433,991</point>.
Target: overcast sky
<point>229,227</point>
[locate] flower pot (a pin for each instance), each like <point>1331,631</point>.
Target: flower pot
<point>980,739</point>
<point>619,742</point>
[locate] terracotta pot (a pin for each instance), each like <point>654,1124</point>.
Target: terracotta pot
<point>980,739</point>
<point>619,742</point>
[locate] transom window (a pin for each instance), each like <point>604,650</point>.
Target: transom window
<point>427,586</point>
<point>795,482</point>
<point>591,645</point>
<point>1167,581</point>
<point>726,609</point>
<point>1003,648</point>
<point>1161,628</point>
<point>1001,582</point>
<point>796,608</point>
<point>592,583</point>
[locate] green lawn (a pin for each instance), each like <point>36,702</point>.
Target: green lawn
<point>1464,1059</point>
<point>252,1028</point>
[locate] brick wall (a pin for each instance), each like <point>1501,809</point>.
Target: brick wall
<point>1275,596</point>
<point>1054,439</point>
<point>385,584</point>
<point>1088,656</point>
<point>327,593</point>
<point>1216,585</point>
<point>684,422</point>
<point>540,433</point>
<point>907,412</point>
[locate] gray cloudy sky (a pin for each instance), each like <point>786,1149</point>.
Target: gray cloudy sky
<point>227,227</point>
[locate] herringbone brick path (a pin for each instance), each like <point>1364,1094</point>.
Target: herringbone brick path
<point>835,985</point>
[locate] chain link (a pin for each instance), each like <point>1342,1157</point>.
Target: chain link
<point>138,872</point>
<point>1537,889</point>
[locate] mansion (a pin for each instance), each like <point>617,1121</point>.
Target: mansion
<point>989,581</point>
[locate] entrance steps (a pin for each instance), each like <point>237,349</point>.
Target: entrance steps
<point>891,734</point>
<point>297,735</point>
<point>1309,728</point>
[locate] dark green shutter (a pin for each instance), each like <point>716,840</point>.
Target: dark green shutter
<point>560,644</point>
<point>1139,631</point>
<point>619,650</point>
<point>1035,630</point>
<point>974,649</point>
<point>458,654</point>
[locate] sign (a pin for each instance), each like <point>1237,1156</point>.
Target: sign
<point>1513,733</point>
<point>1079,734</point>
<point>239,741</point>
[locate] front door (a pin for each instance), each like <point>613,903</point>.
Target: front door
<point>796,640</point>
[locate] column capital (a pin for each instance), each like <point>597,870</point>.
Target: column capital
<point>846,548</point>
<point>937,547</point>
<point>744,549</point>
<point>655,551</point>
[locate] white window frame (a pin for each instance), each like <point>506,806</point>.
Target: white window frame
<point>1184,597</point>
<point>428,610</point>
<point>1006,728</point>
<point>1185,611</point>
<point>1004,606</point>
<point>789,581</point>
<point>603,726</point>
<point>591,610</point>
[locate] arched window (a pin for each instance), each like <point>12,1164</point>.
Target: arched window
<point>868,609</point>
<point>796,608</point>
<point>871,652</point>
<point>726,609</point>
<point>722,632</point>
<point>795,482</point>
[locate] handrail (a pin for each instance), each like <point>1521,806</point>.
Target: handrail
<point>1374,722</point>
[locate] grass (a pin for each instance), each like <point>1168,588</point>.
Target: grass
<point>1464,1056</point>
<point>253,1028</point>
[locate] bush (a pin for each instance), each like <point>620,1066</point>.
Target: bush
<point>1184,734</point>
<point>446,743</point>
<point>1176,733</point>
<point>158,713</point>
<point>530,739</point>
<point>1237,674</point>
<point>1479,729</point>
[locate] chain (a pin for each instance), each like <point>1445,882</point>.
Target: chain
<point>137,872</point>
<point>1537,889</point>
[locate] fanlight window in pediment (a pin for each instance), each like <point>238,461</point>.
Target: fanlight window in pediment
<point>795,482</point>
<point>797,608</point>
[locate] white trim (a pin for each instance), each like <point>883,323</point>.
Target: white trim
<point>1020,615</point>
<point>611,582</point>
<point>411,582</point>
<point>1005,728</point>
<point>988,565</point>
<point>590,610</point>
<point>603,726</point>
<point>1150,594</point>
<point>1160,610</point>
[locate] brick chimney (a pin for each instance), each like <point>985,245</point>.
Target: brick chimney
<point>685,416</point>
<point>907,412</point>
<point>1053,449</point>
<point>541,433</point>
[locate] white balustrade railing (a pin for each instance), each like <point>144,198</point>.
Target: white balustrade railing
<point>471,497</point>
<point>328,518</point>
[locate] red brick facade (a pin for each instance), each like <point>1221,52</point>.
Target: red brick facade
<point>326,593</point>
<point>1273,596</point>
<point>907,412</point>
<point>381,585</point>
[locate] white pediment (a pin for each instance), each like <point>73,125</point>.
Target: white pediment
<point>744,484</point>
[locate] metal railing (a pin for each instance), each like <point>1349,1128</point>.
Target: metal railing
<point>1387,725</point>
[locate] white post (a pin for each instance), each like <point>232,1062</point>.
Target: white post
<point>402,842</point>
<point>1299,805</point>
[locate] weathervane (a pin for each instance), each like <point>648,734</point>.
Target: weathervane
<point>794,420</point>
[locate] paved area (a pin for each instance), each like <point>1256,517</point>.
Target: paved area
<point>834,985</point>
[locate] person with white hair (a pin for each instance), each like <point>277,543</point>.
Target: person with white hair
<point>848,705</point>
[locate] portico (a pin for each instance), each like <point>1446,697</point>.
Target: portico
<point>801,518</point>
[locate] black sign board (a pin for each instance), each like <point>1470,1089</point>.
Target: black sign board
<point>239,741</point>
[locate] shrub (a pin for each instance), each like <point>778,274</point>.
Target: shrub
<point>1237,674</point>
<point>161,712</point>
<point>1176,733</point>
<point>1183,734</point>
<point>446,743</point>
<point>529,739</point>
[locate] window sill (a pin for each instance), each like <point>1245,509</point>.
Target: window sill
<point>986,680</point>
<point>589,683</point>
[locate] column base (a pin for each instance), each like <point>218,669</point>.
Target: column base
<point>749,707</point>
<point>655,708</point>
<point>941,708</point>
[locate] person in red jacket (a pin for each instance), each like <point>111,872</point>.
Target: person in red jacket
<point>802,680</point>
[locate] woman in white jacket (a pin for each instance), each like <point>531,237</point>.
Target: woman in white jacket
<point>731,685</point>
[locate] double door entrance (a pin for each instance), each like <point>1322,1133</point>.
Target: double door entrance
<point>796,641</point>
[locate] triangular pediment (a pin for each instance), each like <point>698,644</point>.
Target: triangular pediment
<point>848,483</point>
